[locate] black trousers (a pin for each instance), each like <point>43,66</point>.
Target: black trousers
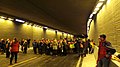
<point>35,50</point>
<point>90,49</point>
<point>25,50</point>
<point>40,51</point>
<point>12,56</point>
<point>7,53</point>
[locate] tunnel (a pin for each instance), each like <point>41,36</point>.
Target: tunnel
<point>51,31</point>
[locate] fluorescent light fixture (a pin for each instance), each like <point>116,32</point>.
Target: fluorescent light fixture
<point>94,12</point>
<point>56,30</point>
<point>101,0</point>
<point>91,16</point>
<point>96,9</point>
<point>2,17</point>
<point>88,28</point>
<point>45,27</point>
<point>99,4</point>
<point>27,23</point>
<point>40,26</point>
<point>18,20</point>
<point>35,25</point>
<point>10,19</point>
<point>89,21</point>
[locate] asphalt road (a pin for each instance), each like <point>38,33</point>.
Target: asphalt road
<point>32,60</point>
<point>51,61</point>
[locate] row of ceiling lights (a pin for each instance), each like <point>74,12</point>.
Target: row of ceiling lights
<point>28,23</point>
<point>95,11</point>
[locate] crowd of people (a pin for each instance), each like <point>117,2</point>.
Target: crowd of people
<point>61,47</point>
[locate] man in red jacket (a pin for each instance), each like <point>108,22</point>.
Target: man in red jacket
<point>14,50</point>
<point>103,55</point>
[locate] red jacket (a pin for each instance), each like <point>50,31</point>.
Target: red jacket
<point>14,47</point>
<point>102,51</point>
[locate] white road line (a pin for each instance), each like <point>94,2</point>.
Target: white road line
<point>78,63</point>
<point>22,62</point>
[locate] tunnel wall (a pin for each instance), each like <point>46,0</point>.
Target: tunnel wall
<point>9,29</point>
<point>107,22</point>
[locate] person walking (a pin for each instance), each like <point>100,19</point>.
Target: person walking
<point>14,50</point>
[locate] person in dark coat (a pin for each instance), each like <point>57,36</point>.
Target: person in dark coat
<point>48,48</point>
<point>25,44</point>
<point>85,44</point>
<point>80,47</point>
<point>40,46</point>
<point>3,46</point>
<point>28,41</point>
<point>64,47</point>
<point>7,48</point>
<point>21,43</point>
<point>35,45</point>
<point>89,46</point>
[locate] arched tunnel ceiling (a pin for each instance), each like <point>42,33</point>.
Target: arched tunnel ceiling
<point>67,15</point>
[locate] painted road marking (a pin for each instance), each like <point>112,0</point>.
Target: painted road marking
<point>22,62</point>
<point>78,63</point>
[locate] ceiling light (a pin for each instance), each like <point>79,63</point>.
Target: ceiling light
<point>94,12</point>
<point>27,23</point>
<point>18,20</point>
<point>40,26</point>
<point>88,28</point>
<point>10,19</point>
<point>88,23</point>
<point>45,27</point>
<point>91,16</point>
<point>101,0</point>
<point>96,9</point>
<point>2,17</point>
<point>99,4</point>
<point>56,30</point>
<point>35,25</point>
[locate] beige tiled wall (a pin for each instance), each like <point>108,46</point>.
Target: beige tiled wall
<point>9,29</point>
<point>108,22</point>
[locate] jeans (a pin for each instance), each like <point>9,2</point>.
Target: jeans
<point>103,62</point>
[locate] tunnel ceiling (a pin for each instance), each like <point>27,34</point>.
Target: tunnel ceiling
<point>67,15</point>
